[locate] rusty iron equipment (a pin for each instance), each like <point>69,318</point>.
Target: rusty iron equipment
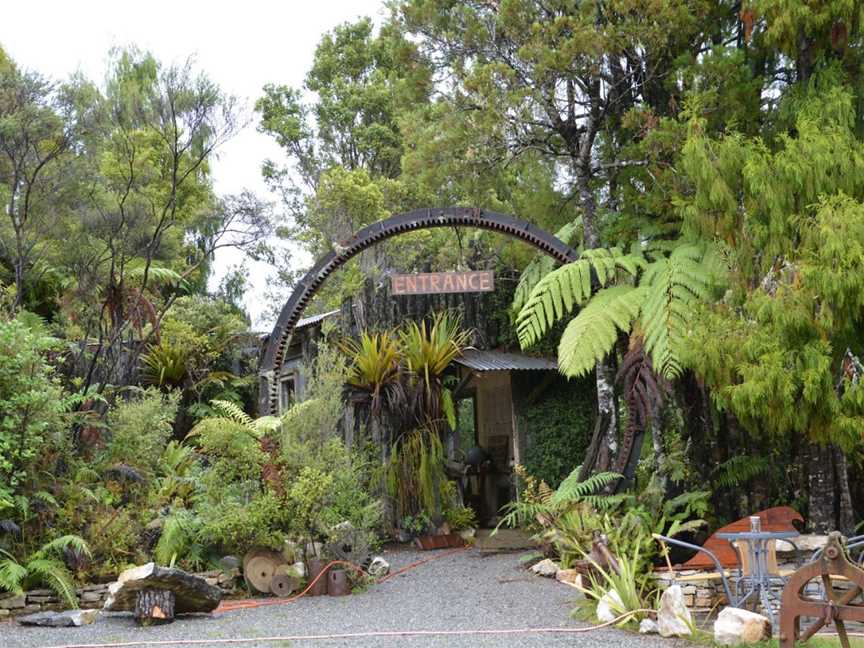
<point>836,607</point>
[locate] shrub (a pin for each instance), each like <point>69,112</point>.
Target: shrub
<point>31,402</point>
<point>559,427</point>
<point>139,430</point>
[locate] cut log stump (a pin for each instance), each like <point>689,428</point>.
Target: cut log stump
<point>155,594</point>
<point>154,607</point>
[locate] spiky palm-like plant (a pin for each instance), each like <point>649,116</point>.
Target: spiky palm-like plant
<point>44,567</point>
<point>374,373</point>
<point>428,349</point>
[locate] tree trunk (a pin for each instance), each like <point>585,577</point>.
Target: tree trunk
<point>154,606</point>
<point>821,489</point>
<point>605,441</point>
<point>845,513</point>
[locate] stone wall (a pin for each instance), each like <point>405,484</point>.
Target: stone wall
<point>89,596</point>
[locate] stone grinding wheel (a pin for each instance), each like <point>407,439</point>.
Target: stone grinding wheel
<point>259,567</point>
<point>282,585</point>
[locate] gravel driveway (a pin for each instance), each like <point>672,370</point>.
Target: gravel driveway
<point>463,591</point>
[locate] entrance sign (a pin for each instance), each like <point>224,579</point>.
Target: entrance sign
<point>434,283</point>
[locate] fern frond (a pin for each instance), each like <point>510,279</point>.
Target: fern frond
<point>541,265</point>
<point>572,490</point>
<point>58,545</point>
<point>740,469</point>
<point>591,335</point>
<point>675,285</point>
<point>266,424</point>
<point>234,412</point>
<point>175,538</point>
<point>54,574</point>
<point>558,292</point>
<point>12,574</point>
<point>155,274</point>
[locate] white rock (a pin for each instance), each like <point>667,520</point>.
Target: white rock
<point>547,568</point>
<point>674,619</point>
<point>735,626</point>
<point>608,607</point>
<point>300,568</point>
<point>379,567</point>
<point>648,626</point>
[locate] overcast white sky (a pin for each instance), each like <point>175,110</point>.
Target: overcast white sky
<point>241,46</point>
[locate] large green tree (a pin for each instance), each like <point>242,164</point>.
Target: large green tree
<point>557,80</point>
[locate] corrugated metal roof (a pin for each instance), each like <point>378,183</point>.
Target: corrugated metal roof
<point>314,319</point>
<point>504,361</point>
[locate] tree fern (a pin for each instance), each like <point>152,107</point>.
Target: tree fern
<point>660,296</point>
<point>590,336</point>
<point>556,294</point>
<point>675,284</point>
<point>542,264</point>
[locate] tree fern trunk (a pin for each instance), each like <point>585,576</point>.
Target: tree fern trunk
<point>604,444</point>
<point>845,512</point>
<point>608,415</point>
<point>820,516</point>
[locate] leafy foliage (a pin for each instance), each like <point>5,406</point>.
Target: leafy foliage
<point>667,289</point>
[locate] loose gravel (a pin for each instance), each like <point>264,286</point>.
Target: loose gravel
<point>462,591</point>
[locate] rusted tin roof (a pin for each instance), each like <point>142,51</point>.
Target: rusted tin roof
<point>504,361</point>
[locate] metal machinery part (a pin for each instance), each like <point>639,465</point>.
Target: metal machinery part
<point>280,338</point>
<point>836,607</point>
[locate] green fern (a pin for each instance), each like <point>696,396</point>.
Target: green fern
<point>177,538</point>
<point>658,298</point>
<point>542,264</point>
<point>675,284</point>
<point>573,490</point>
<point>740,469</point>
<point>560,291</point>
<point>232,411</point>
<point>45,567</point>
<point>590,336</point>
<point>12,574</point>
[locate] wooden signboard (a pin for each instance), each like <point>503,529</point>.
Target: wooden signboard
<point>433,283</point>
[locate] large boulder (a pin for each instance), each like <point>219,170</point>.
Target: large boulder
<point>735,626</point>
<point>191,593</point>
<point>67,619</point>
<point>673,618</point>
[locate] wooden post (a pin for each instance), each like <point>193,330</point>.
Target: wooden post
<point>154,606</point>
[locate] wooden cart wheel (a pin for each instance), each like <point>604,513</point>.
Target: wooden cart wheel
<point>834,607</point>
<point>259,567</point>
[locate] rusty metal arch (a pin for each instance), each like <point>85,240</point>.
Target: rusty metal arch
<point>280,338</point>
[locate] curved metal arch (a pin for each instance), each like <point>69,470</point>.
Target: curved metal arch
<point>370,235</point>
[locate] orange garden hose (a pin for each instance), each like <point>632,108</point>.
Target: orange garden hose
<point>362,635</point>
<point>254,603</point>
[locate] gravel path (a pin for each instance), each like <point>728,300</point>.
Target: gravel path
<point>463,591</point>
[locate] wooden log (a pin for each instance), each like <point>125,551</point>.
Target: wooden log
<point>154,607</point>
